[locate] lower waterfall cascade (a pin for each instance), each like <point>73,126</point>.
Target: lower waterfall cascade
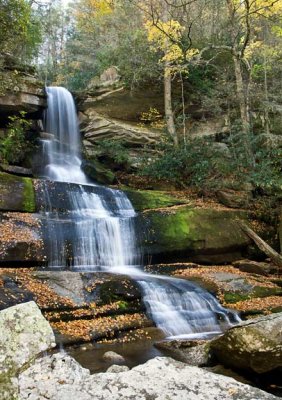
<point>96,232</point>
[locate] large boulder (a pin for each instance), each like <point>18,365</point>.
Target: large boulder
<point>60,377</point>
<point>255,345</point>
<point>24,334</point>
<point>234,199</point>
<point>207,235</point>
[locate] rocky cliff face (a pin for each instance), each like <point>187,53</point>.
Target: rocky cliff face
<point>20,91</point>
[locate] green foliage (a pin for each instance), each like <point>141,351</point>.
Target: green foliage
<point>191,165</point>
<point>113,150</point>
<point>267,171</point>
<point>14,146</point>
<point>20,29</point>
<point>202,164</point>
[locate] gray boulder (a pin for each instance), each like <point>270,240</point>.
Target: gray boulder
<point>60,378</point>
<point>254,345</point>
<point>24,333</point>
<point>113,357</point>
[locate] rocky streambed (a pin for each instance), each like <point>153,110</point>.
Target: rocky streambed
<point>26,374</point>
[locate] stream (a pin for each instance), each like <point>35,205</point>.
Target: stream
<point>97,233</point>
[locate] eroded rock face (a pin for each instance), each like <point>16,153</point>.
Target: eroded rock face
<point>98,127</point>
<point>60,377</point>
<point>255,345</point>
<point>28,95</point>
<point>24,333</point>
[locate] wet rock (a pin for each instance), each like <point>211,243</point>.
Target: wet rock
<point>192,352</point>
<point>113,357</point>
<point>47,136</point>
<point>11,293</point>
<point>60,377</point>
<point>98,173</point>
<point>24,333</point>
<point>16,170</point>
<point>255,345</point>
<point>64,283</point>
<point>122,289</point>
<point>20,239</point>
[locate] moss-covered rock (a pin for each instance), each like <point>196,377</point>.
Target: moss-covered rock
<point>151,199</point>
<point>16,193</point>
<point>255,345</point>
<point>98,173</point>
<point>196,234</point>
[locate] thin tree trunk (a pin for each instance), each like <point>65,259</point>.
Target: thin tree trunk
<point>168,90</point>
<point>244,114</point>
<point>183,110</point>
<point>168,106</point>
<point>275,257</point>
<point>266,113</point>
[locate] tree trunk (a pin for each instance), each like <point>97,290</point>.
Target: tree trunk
<point>168,106</point>
<point>167,89</point>
<point>243,104</point>
<point>275,257</point>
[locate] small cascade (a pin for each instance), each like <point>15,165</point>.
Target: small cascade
<point>181,308</point>
<point>90,227</point>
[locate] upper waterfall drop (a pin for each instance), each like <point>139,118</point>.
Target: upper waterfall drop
<point>63,153</point>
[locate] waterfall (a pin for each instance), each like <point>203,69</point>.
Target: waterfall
<point>96,231</point>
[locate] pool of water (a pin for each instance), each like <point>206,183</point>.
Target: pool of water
<point>135,352</point>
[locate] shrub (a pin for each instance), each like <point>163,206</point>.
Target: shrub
<point>14,145</point>
<point>112,151</point>
<point>192,165</point>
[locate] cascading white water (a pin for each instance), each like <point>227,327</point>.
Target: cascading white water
<point>96,232</point>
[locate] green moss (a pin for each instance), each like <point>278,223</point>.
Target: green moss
<point>16,193</point>
<point>97,172</point>
<point>234,297</point>
<point>29,196</point>
<point>257,292</point>
<point>151,199</point>
<point>123,305</point>
<point>194,229</point>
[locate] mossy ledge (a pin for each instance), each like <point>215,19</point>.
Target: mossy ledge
<point>207,235</point>
<point>16,193</point>
<point>152,199</point>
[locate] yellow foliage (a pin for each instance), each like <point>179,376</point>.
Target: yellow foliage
<point>152,118</point>
<point>166,37</point>
<point>89,10</point>
<point>259,8</point>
